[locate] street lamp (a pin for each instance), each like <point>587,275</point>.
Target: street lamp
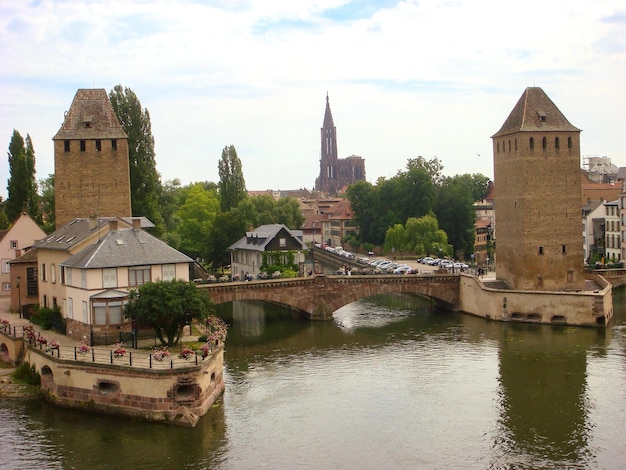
<point>19,295</point>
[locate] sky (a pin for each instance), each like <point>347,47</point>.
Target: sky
<point>404,78</point>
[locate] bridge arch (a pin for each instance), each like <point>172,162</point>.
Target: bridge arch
<point>320,296</point>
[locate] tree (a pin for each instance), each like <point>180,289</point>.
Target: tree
<point>232,184</point>
<point>22,185</point>
<point>145,181</point>
<point>455,212</point>
<point>47,203</point>
<point>167,306</point>
<point>424,237</point>
<point>196,214</point>
<point>4,220</point>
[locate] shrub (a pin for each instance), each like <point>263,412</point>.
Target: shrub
<point>26,374</point>
<point>203,338</point>
<point>49,318</point>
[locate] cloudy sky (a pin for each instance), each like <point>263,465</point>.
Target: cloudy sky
<point>405,78</point>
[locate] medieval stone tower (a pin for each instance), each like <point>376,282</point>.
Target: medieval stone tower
<point>538,197</point>
<point>335,173</point>
<point>91,169</point>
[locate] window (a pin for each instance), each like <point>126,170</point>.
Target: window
<point>138,275</point>
<point>53,273</point>
<point>68,276</point>
<point>98,145</point>
<point>516,144</point>
<point>544,143</point>
<point>66,145</point>
<point>109,278</point>
<point>113,144</point>
<point>43,273</point>
<point>532,143</point>
<point>70,307</point>
<point>569,142</point>
<point>85,312</point>
<point>282,242</point>
<point>115,313</point>
<point>14,244</point>
<point>6,265</point>
<point>557,143</point>
<point>168,272</point>
<point>83,278</point>
<point>6,286</point>
<point>541,250</point>
<point>564,249</point>
<point>82,145</point>
<point>570,276</point>
<point>31,282</point>
<point>100,313</point>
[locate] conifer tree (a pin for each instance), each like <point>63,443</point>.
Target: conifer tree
<point>22,185</point>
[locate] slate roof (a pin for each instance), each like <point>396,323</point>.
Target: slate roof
<point>91,116</point>
<point>74,232</point>
<point>258,239</point>
<point>125,247</point>
<point>535,112</point>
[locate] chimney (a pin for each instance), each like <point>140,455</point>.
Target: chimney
<point>93,222</point>
<point>137,224</point>
<point>113,225</point>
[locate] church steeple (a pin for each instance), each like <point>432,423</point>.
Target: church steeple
<point>328,115</point>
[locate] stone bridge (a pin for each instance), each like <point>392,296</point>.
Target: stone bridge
<point>319,296</point>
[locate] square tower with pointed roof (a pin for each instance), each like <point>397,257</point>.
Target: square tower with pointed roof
<point>91,168</point>
<point>538,197</point>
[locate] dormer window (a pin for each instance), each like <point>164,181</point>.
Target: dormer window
<point>87,121</point>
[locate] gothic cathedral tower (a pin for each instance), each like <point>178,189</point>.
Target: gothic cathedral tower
<point>538,197</point>
<point>91,169</point>
<point>327,180</point>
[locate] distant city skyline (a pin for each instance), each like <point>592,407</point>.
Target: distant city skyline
<point>405,78</point>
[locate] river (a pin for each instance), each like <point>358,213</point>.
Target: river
<point>389,384</point>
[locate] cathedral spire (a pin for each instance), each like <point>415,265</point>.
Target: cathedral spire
<point>328,115</point>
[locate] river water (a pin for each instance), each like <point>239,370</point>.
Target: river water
<point>389,384</point>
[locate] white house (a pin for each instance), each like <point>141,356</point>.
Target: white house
<point>88,266</point>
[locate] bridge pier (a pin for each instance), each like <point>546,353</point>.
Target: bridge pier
<point>322,311</point>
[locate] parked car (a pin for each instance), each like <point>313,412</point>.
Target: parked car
<point>402,269</point>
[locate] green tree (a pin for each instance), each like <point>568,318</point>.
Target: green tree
<point>22,185</point>
<point>145,181</point>
<point>227,228</point>
<point>395,240</point>
<point>455,212</point>
<point>167,306</point>
<point>196,214</point>
<point>232,184</point>
<point>364,201</point>
<point>46,187</point>
<point>424,237</point>
<point>4,220</point>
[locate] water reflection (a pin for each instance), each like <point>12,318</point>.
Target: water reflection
<point>390,383</point>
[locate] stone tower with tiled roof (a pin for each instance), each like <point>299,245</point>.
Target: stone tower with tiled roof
<point>335,173</point>
<point>538,197</point>
<point>91,169</point>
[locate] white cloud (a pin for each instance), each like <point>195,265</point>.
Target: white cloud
<point>430,78</point>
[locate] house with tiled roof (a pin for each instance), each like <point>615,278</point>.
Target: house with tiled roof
<point>88,267</point>
<point>274,242</point>
<point>14,242</point>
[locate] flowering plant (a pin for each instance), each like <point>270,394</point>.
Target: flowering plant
<point>186,353</point>
<point>5,322</point>
<point>52,345</point>
<point>205,349</point>
<point>119,350</point>
<point>29,333</point>
<point>82,348</point>
<point>42,340</point>
<point>161,354</point>
<point>218,330</point>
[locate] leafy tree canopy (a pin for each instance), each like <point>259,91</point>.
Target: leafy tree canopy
<point>232,185</point>
<point>196,214</point>
<point>145,181</point>
<point>167,306</point>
